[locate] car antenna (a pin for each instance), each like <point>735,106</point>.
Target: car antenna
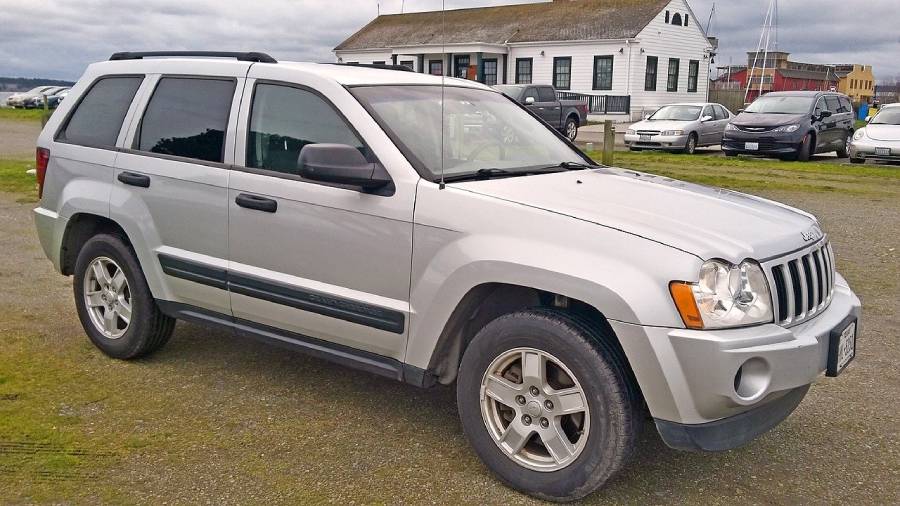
<point>442,185</point>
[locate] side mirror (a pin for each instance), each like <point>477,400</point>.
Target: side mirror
<point>824,114</point>
<point>704,119</point>
<point>529,100</point>
<point>340,164</point>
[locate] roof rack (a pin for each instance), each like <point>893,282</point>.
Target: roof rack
<point>382,66</point>
<point>248,56</point>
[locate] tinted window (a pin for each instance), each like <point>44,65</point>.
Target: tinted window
<point>98,117</point>
<point>284,119</point>
<point>833,104</point>
<point>187,117</point>
<point>546,94</point>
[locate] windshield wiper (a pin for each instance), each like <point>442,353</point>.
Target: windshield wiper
<point>493,172</point>
<point>576,166</point>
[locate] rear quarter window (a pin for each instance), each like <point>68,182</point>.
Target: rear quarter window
<point>97,119</point>
<point>187,117</point>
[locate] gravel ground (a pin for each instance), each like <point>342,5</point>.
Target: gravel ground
<point>17,138</point>
<point>216,419</point>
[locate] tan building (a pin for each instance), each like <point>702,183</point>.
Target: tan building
<point>856,81</point>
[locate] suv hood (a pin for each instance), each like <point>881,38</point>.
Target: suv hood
<point>880,132</point>
<point>760,119</point>
<point>707,222</point>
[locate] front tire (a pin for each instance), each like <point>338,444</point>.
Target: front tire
<point>114,303</point>
<point>806,149</point>
<point>547,404</point>
<point>690,147</point>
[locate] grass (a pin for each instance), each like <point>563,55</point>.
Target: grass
<point>755,174</point>
<point>21,114</point>
<point>14,179</point>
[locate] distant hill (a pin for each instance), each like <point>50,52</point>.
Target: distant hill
<point>26,83</point>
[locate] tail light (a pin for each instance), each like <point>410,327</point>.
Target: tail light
<point>41,159</point>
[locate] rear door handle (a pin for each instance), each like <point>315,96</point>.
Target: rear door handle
<point>130,178</point>
<point>256,202</point>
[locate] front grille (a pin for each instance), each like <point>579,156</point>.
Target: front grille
<point>755,129</point>
<point>648,132</point>
<point>803,284</point>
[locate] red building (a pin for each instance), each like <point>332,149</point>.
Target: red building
<point>774,72</point>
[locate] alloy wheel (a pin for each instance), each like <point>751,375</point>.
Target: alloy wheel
<point>107,297</point>
<point>571,130</point>
<point>534,409</point>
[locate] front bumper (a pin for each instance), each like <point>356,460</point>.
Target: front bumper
<point>656,141</point>
<point>688,377</point>
<point>868,149</point>
<point>769,143</point>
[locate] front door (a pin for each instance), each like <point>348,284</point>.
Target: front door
<point>318,260</point>
<point>548,106</point>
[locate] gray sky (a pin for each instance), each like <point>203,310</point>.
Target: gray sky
<point>57,39</point>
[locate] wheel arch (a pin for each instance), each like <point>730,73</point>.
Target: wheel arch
<point>79,229</point>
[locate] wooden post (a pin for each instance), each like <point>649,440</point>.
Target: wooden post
<point>609,142</point>
<point>46,115</point>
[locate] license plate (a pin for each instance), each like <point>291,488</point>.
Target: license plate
<point>645,137</point>
<point>751,146</point>
<point>883,151</point>
<point>841,349</point>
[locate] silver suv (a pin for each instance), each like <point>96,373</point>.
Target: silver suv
<point>437,234</point>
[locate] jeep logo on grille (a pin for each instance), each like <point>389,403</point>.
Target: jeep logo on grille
<point>812,234</point>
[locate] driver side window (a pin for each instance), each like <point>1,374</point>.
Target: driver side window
<point>530,93</point>
<point>708,111</point>
<point>283,119</point>
<point>820,107</point>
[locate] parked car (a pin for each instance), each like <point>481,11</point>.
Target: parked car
<point>19,99</point>
<point>792,125</point>
<point>37,101</point>
<point>880,138</point>
<point>680,127</point>
<point>564,115</point>
<point>58,97</point>
<point>349,213</point>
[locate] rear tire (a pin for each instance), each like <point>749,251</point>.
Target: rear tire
<point>114,302</point>
<point>577,355</point>
<point>844,152</point>
<point>570,129</point>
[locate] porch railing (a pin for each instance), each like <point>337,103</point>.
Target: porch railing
<point>600,104</point>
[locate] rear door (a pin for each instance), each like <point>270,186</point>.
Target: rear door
<point>320,260</point>
<point>708,128</point>
<point>172,182</point>
<point>721,121</point>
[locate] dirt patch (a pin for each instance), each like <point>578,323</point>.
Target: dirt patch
<point>18,137</point>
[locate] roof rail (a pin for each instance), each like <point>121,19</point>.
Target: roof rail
<point>382,66</point>
<point>248,56</point>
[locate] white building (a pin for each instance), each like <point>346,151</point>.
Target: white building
<point>627,56</point>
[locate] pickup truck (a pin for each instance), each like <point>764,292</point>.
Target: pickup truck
<point>563,115</point>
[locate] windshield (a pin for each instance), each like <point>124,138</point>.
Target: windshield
<point>781,105</point>
<point>887,117</point>
<point>513,91</point>
<point>677,113</point>
<point>481,130</point>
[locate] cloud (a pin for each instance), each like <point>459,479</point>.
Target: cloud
<point>58,39</point>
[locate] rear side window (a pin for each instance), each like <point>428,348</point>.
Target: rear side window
<point>98,117</point>
<point>283,119</point>
<point>187,117</point>
<point>721,113</point>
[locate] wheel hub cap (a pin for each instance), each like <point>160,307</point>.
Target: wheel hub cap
<point>107,297</point>
<point>535,409</point>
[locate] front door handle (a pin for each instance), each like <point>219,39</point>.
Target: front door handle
<point>256,202</point>
<point>130,178</point>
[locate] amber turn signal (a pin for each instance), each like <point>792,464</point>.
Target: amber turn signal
<point>683,296</point>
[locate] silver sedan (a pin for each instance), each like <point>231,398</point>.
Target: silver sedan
<point>680,127</point>
<point>880,138</point>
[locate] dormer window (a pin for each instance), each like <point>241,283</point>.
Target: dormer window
<point>676,19</point>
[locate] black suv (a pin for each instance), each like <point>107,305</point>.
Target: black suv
<point>792,125</point>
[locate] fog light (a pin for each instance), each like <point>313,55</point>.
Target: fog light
<point>752,378</point>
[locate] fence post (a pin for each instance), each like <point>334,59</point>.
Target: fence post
<point>46,114</point>
<point>609,142</point>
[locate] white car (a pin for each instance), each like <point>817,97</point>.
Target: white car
<point>19,99</point>
<point>880,139</point>
<point>680,127</point>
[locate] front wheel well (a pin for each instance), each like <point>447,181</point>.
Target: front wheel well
<point>487,302</point>
<point>79,230</point>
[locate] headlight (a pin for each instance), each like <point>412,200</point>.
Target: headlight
<point>730,127</point>
<point>859,134</point>
<point>672,132</point>
<point>787,128</point>
<point>629,132</point>
<point>725,296</point>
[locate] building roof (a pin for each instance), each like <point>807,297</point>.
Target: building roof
<point>550,21</point>
<point>804,74</point>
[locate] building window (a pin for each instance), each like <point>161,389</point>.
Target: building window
<point>562,73</point>
<point>523,70</point>
<point>603,72</point>
<point>436,67</point>
<point>676,19</point>
<point>650,74</point>
<point>489,71</point>
<point>408,64</point>
<point>685,20</point>
<point>461,63</point>
<point>672,82</point>
<point>667,17</point>
<point>693,74</point>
